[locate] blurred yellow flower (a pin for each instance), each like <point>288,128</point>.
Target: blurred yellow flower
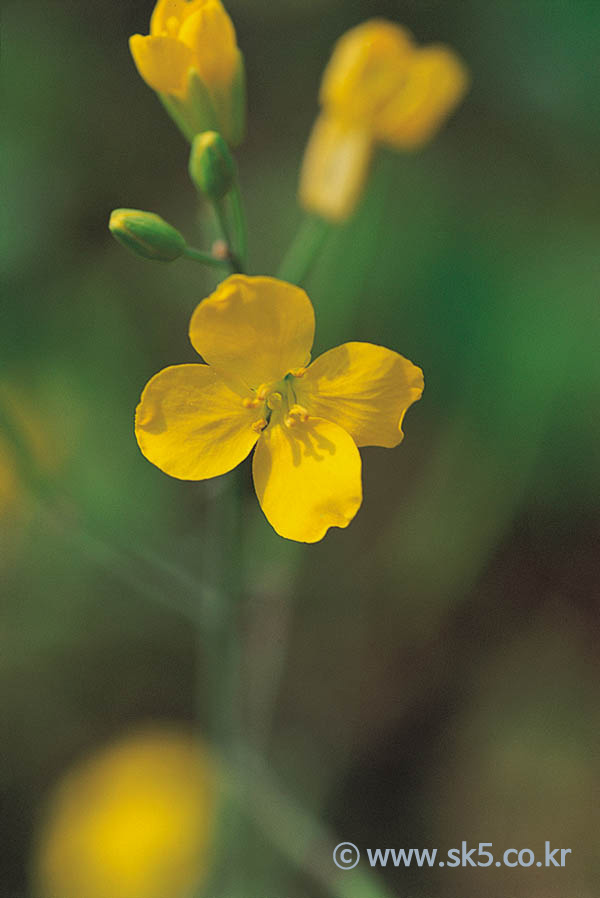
<point>191,59</point>
<point>258,390</point>
<point>378,88</point>
<point>133,821</point>
<point>335,167</point>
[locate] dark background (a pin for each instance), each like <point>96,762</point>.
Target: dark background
<point>439,661</point>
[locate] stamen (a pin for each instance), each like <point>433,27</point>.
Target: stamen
<point>290,422</point>
<point>263,392</point>
<point>298,411</point>
<point>259,426</point>
<point>250,403</point>
<point>274,400</point>
<point>298,372</point>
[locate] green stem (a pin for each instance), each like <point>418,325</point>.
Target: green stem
<point>221,677</point>
<point>299,836</point>
<point>227,707</point>
<point>233,261</point>
<point>239,223</point>
<point>198,255</point>
<point>306,246</point>
<point>268,670</point>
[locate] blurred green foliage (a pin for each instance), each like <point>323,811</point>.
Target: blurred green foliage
<point>440,672</point>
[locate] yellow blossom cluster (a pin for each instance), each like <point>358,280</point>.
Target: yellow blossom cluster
<point>379,88</point>
<point>258,390</point>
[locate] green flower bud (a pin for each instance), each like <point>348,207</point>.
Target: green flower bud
<point>147,235</point>
<point>212,168</point>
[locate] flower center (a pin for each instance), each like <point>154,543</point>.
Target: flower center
<point>279,404</point>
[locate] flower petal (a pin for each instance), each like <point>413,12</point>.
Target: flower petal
<point>163,62</point>
<point>368,63</point>
<point>436,83</point>
<point>335,167</point>
<point>190,424</point>
<point>307,478</point>
<point>167,11</point>
<point>365,389</point>
<point>210,34</point>
<point>254,330</point>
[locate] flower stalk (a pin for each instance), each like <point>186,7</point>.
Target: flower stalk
<point>204,258</point>
<point>258,391</point>
<point>239,223</point>
<point>305,249</point>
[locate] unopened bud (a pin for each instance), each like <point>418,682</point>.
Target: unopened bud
<point>147,234</point>
<point>212,168</point>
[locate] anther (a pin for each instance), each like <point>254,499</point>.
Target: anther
<point>263,392</point>
<point>250,403</point>
<point>290,422</point>
<point>298,372</point>
<point>259,426</point>
<point>300,412</point>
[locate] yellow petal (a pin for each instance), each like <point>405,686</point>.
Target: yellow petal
<point>254,330</point>
<point>335,168</point>
<point>210,34</point>
<point>368,64</point>
<point>191,426</point>
<point>365,389</point>
<point>307,478</point>
<point>163,62</point>
<point>436,83</point>
<point>167,12</point>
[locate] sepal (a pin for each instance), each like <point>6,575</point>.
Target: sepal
<point>147,235</point>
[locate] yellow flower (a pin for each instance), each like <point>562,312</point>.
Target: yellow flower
<point>368,65</point>
<point>191,59</point>
<point>258,390</point>
<point>133,821</point>
<point>378,88</point>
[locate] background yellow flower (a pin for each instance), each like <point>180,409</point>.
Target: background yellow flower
<point>133,821</point>
<point>379,88</point>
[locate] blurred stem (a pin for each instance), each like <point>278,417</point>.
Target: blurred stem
<point>305,249</point>
<point>221,674</point>
<point>118,563</point>
<point>198,255</point>
<point>299,836</point>
<point>268,674</point>
<point>226,698</point>
<point>196,601</point>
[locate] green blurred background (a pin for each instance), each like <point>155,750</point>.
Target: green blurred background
<point>437,662</point>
